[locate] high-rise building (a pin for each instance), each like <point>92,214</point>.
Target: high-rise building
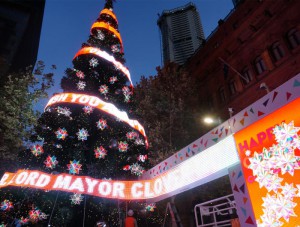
<point>20,29</point>
<point>181,33</point>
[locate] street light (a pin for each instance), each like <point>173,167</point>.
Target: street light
<point>208,120</point>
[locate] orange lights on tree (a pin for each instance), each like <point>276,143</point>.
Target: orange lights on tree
<point>99,104</point>
<point>102,54</point>
<point>109,28</point>
<point>110,13</point>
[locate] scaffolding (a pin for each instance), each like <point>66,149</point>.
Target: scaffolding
<point>216,213</point>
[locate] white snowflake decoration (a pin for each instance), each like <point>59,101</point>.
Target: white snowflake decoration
<point>82,134</point>
<point>100,35</point>
<point>279,158</point>
<point>115,48</point>
<point>94,62</point>
<point>81,85</point>
<point>76,199</point>
<point>65,111</point>
<point>88,109</point>
<point>137,169</point>
<point>79,74</point>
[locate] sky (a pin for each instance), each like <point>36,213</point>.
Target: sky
<point>66,25</point>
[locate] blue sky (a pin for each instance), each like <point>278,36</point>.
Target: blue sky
<point>67,23</point>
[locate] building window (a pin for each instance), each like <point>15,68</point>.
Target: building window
<point>222,94</point>
<point>260,65</point>
<point>293,37</point>
<point>277,51</point>
<point>232,87</point>
<point>247,76</point>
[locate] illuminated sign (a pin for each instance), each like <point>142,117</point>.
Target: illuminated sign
<point>270,157</point>
<point>195,171</point>
<point>102,54</point>
<point>95,102</point>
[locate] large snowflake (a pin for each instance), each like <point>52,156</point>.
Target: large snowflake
<point>37,150</point>
<point>76,199</point>
<point>6,205</point>
<point>82,134</point>
<point>278,159</point>
<point>94,62</point>
<point>81,85</point>
<point>61,133</point>
<point>100,152</point>
<point>51,162</point>
<point>74,167</point>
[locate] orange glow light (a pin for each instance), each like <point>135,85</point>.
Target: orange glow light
<point>110,28</point>
<point>110,13</point>
<point>102,54</point>
<point>95,102</point>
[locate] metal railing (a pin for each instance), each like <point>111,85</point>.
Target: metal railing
<point>217,212</point>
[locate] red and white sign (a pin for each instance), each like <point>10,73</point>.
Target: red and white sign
<point>197,170</point>
<point>95,102</point>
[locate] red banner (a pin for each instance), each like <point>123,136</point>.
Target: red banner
<point>126,190</point>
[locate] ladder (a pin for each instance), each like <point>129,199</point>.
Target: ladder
<point>175,219</point>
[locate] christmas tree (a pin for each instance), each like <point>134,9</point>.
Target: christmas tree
<point>89,130</point>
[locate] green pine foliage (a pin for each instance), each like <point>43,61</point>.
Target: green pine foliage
<point>163,102</point>
<point>19,93</point>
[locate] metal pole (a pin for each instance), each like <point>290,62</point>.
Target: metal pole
<point>84,211</point>
<point>53,209</point>
<point>233,69</point>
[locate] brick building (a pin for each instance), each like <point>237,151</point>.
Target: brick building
<point>253,50</point>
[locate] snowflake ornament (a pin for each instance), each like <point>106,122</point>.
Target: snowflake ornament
<point>6,205</point>
<point>50,162</point>
<point>131,135</point>
<point>142,158</point>
<point>81,85</point>
<point>74,167</point>
<point>286,133</point>
<point>88,109</point>
<point>101,124</point>
<point>139,141</point>
<point>150,207</point>
<point>76,198</point>
<point>103,89</point>
<point>23,221</point>
<point>82,134</point>
<point>137,169</point>
<point>115,48</point>
<point>37,150</point>
<point>100,152</point>
<point>269,166</point>
<point>113,79</point>
<point>100,35</point>
<point>127,93</point>
<point>126,90</point>
<point>36,215</point>
<point>61,133</point>
<point>94,62</point>
<point>123,146</point>
<point>65,111</point>
<point>79,74</point>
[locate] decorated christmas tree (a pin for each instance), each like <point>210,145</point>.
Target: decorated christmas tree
<point>88,130</point>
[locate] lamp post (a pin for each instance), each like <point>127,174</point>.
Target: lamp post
<point>210,120</point>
